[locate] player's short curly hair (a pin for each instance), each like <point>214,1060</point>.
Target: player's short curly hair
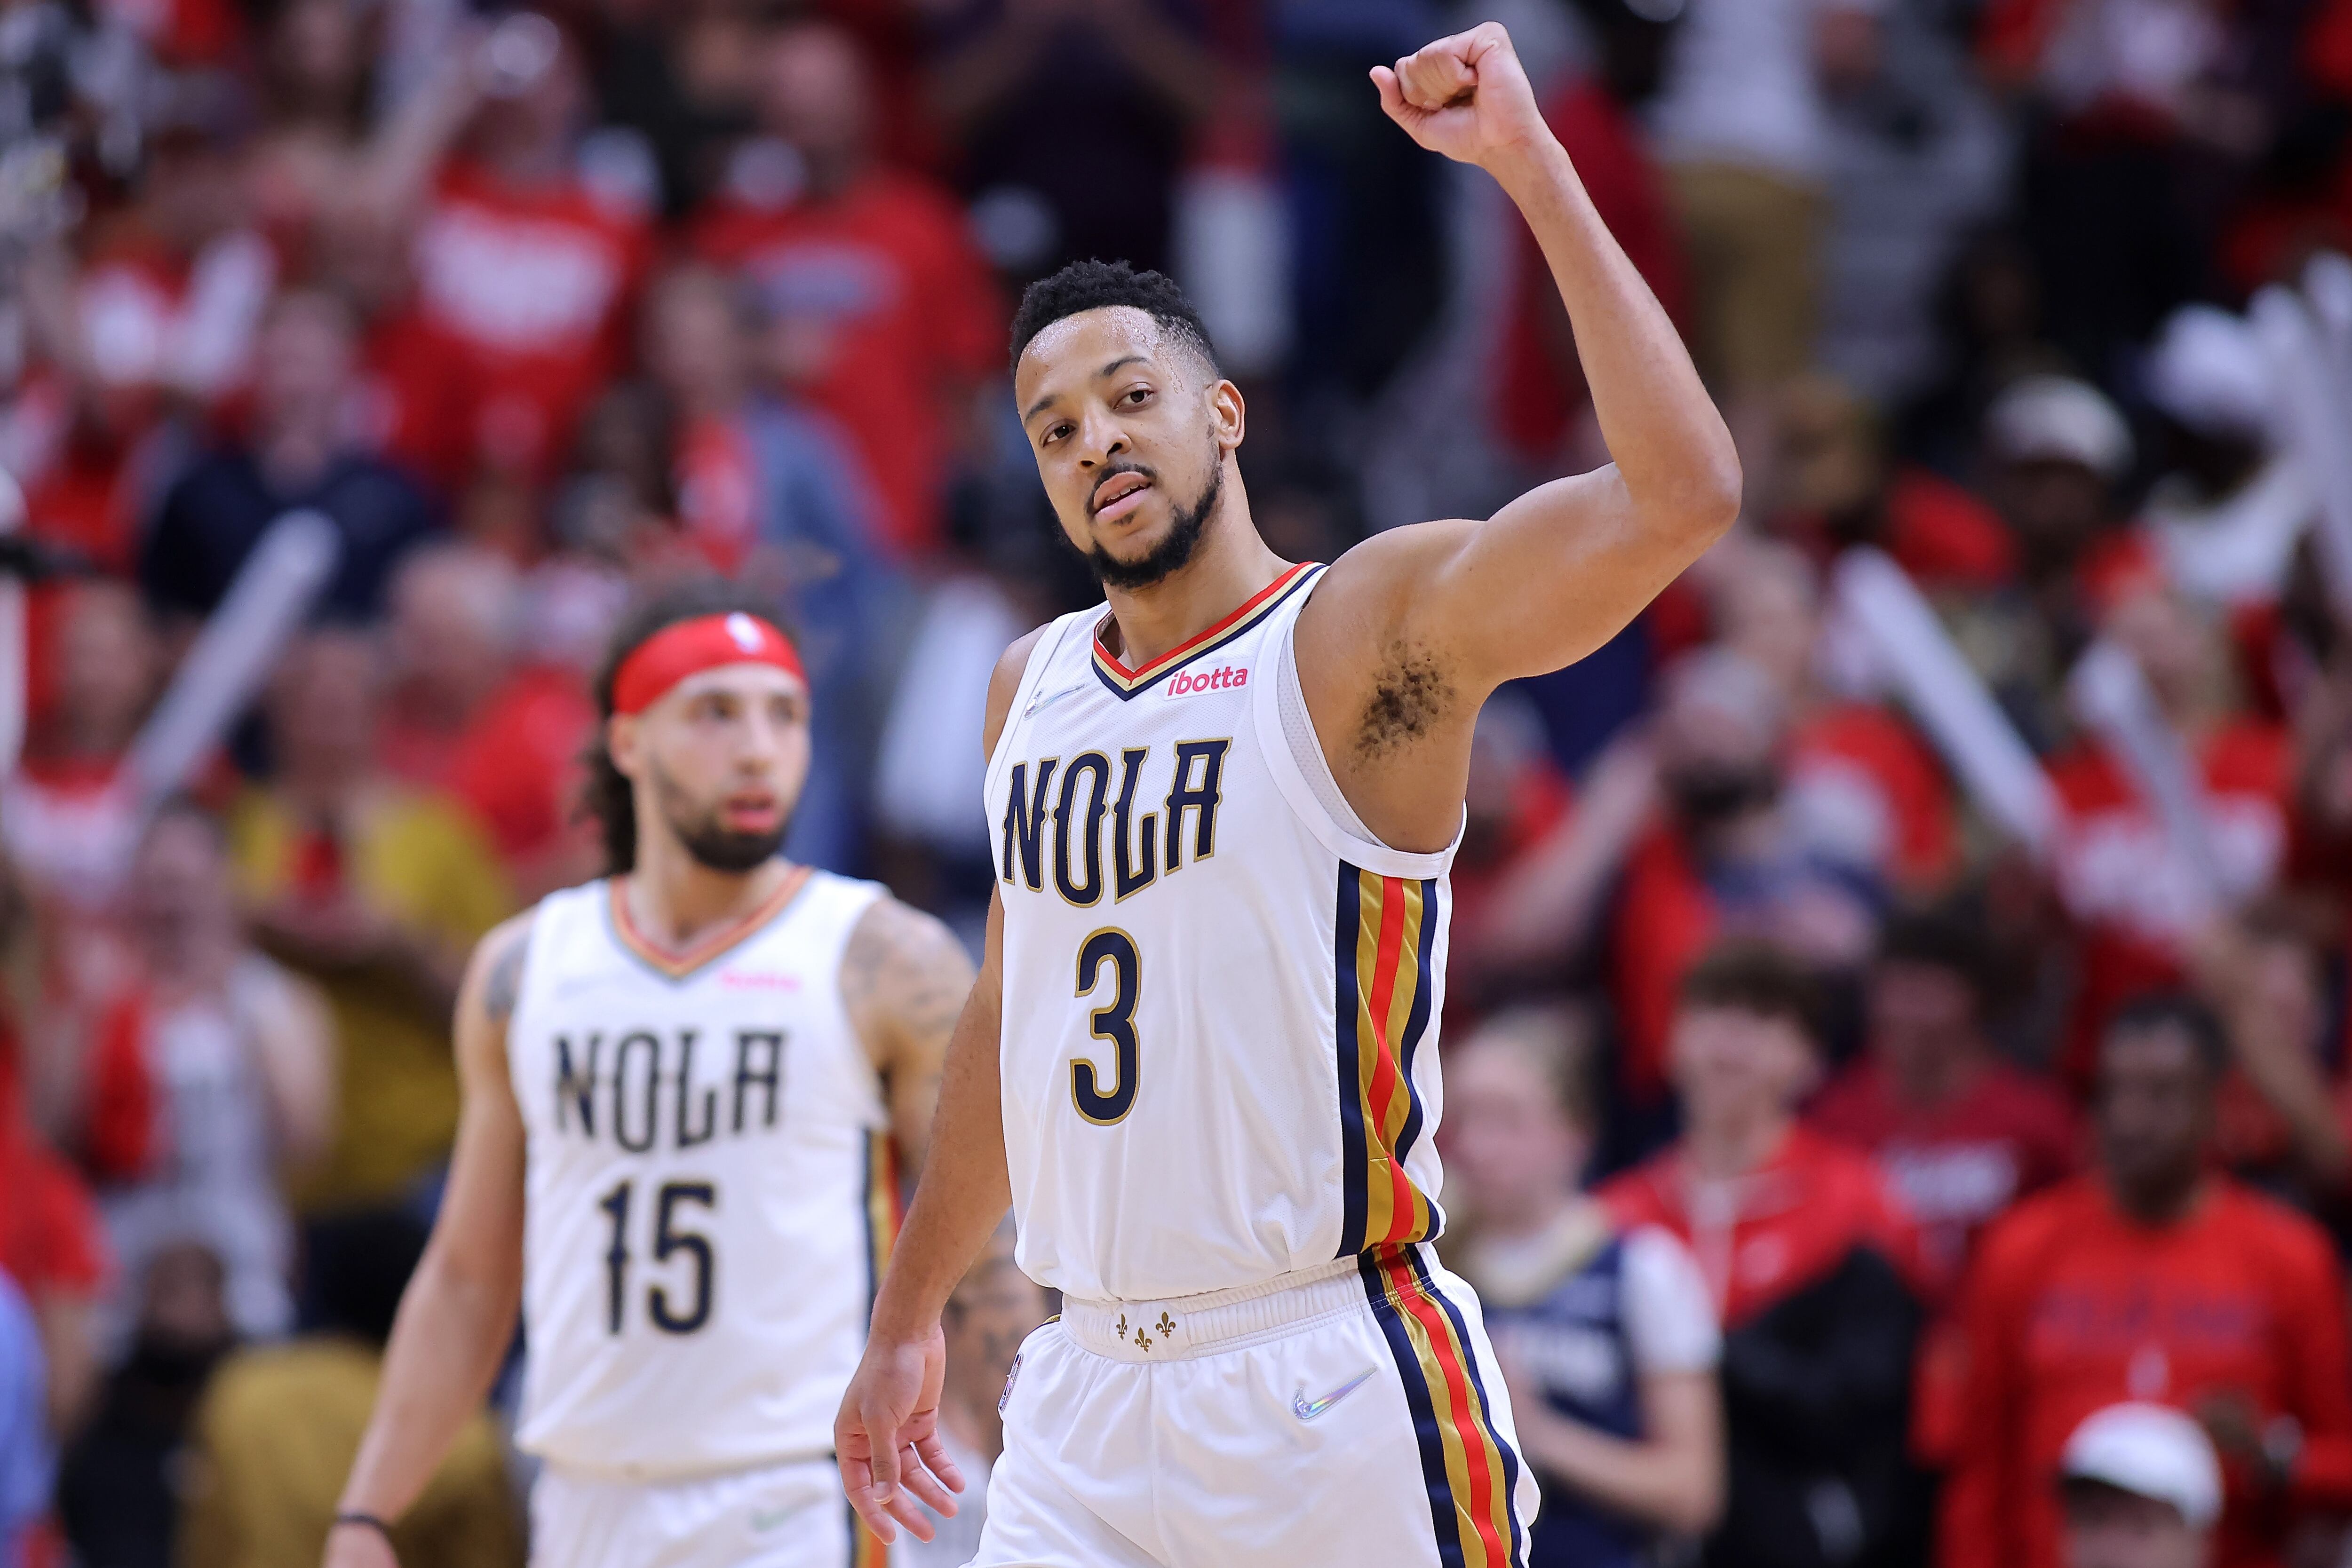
<point>1099,285</point>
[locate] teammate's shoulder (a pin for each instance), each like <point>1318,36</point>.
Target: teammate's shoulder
<point>497,967</point>
<point>894,930</point>
<point>904,978</point>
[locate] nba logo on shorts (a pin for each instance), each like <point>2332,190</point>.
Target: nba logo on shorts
<point>1010,1374</point>
<point>745,631</point>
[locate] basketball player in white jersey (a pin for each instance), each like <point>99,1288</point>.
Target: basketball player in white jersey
<point>1201,1059</point>
<point>687,1090</point>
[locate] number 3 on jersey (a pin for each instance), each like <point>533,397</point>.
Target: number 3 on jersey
<point>1114,1022</point>
<point>670,1237</point>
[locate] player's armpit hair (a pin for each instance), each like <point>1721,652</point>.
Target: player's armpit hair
<point>502,985</point>
<point>1086,286</point>
<point>1409,696</point>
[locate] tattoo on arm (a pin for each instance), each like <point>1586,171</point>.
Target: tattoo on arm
<point>904,979</point>
<point>503,984</point>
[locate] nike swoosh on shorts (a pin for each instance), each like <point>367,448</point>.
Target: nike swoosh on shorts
<point>1306,1410</point>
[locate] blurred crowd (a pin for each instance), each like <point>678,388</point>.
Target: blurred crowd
<point>1959,1063</point>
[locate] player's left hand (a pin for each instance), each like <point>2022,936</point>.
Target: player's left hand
<point>1466,97</point>
<point>886,1438</point>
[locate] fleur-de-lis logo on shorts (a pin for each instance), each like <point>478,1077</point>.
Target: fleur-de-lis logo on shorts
<point>1167,1325</point>
<point>1143,1340</point>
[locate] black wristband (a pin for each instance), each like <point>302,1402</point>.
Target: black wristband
<point>366,1522</point>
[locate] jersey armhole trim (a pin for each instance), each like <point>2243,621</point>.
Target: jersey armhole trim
<point>1289,774</point>
<point>546,916</point>
<point>1033,676</point>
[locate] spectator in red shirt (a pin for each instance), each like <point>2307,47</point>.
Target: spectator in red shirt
<point>882,306</point>
<point>2152,1279</point>
<point>1843,487</point>
<point>1862,782</point>
<point>1809,1257</point>
<point>2140,895</point>
<point>1960,1133</point>
<point>68,819</point>
<point>1725,853</point>
<point>469,714</point>
<point>525,271</point>
<point>158,318</point>
<point>2283,1113</point>
<point>51,1243</point>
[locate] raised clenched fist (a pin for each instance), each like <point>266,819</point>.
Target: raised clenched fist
<point>1466,96</point>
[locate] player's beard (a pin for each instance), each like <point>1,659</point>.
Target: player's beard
<point>1176,547</point>
<point>713,845</point>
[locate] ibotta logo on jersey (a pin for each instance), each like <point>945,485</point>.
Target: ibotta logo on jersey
<point>1193,683</point>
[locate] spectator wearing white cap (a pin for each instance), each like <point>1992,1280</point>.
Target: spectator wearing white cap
<point>2057,448</point>
<point>2055,451</point>
<point>2142,1489</point>
<point>2231,504</point>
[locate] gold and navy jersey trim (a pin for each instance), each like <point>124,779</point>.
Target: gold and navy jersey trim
<point>1125,683</point>
<point>1470,1468</point>
<point>864,1552</point>
<point>1387,929</point>
<point>881,1215</point>
<point>718,945</point>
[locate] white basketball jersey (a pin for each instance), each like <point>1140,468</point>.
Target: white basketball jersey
<point>708,1190</point>
<point>1221,994</point>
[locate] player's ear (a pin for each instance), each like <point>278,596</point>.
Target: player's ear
<point>623,741</point>
<point>1228,414</point>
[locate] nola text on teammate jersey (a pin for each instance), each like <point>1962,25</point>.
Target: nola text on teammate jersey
<point>619,1094</point>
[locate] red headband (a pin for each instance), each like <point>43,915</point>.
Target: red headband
<point>690,647</point>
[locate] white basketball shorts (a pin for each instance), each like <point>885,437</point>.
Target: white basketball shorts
<point>779,1516</point>
<point>1351,1414</point>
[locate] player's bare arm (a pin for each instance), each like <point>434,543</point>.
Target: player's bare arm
<point>459,1314</point>
<point>1411,630</point>
<point>904,979</point>
<point>888,1433</point>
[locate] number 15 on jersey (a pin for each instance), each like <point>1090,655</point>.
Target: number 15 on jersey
<point>673,1209</point>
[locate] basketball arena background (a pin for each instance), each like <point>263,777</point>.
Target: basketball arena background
<point>360,358</point>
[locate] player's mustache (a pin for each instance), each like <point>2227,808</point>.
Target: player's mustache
<point>1115,471</point>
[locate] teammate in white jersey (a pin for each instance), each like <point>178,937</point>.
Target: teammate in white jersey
<point>688,1089</point>
<point>1199,1061</point>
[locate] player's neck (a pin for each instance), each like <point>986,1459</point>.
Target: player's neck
<point>676,900</point>
<point>1230,566</point>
